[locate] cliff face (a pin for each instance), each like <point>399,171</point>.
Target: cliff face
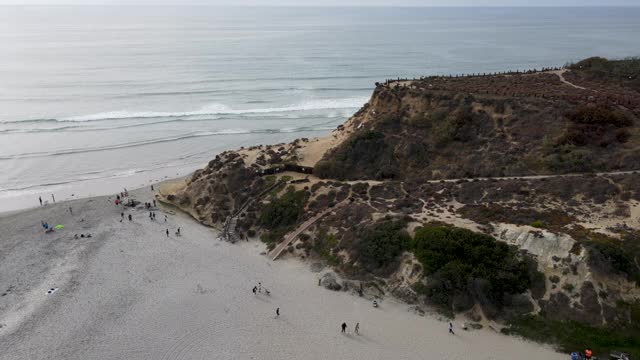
<point>502,143</point>
<point>488,126</point>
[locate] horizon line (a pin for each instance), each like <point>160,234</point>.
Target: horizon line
<point>331,6</point>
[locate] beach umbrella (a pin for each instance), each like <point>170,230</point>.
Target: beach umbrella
<point>58,227</point>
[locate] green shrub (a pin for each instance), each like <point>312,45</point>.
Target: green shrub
<point>536,224</point>
<point>365,155</point>
<point>283,211</point>
<point>573,336</point>
<point>455,258</point>
<point>381,244</point>
<point>599,115</point>
<point>617,255</point>
<point>627,69</point>
<point>324,244</point>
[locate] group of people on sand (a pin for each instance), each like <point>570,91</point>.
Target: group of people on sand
<point>42,203</point>
<point>356,329</point>
<point>46,227</point>
<point>586,355</point>
<point>258,288</point>
<point>178,233</point>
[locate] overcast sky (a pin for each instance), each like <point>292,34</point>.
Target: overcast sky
<point>338,2</point>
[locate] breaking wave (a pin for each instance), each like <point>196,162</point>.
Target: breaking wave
<point>212,109</point>
<point>162,140</point>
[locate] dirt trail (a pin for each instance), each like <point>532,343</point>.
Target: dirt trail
<point>534,177</point>
<point>562,79</point>
<point>292,236</point>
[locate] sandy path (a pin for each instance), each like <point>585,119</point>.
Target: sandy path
<point>304,226</point>
<point>563,80</point>
<point>133,293</point>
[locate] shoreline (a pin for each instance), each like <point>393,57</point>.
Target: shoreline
<point>83,189</point>
<point>131,291</point>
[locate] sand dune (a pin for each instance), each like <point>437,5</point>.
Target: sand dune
<point>130,292</point>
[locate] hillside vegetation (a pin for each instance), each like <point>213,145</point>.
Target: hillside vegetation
<point>425,196</point>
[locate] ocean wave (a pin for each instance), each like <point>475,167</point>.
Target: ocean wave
<point>88,176</point>
<point>161,140</point>
<point>243,91</point>
<point>220,109</point>
<point>212,109</point>
<point>82,128</point>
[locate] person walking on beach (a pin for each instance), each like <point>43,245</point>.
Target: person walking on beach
<point>130,217</point>
<point>150,215</point>
<point>451,329</point>
<point>259,287</point>
<point>40,198</point>
<point>121,216</point>
<point>165,218</point>
<point>167,232</point>
<point>357,329</point>
<point>255,289</point>
<point>344,328</point>
<point>277,312</point>
<point>53,198</point>
<point>178,231</point>
<point>154,202</point>
<point>70,210</point>
<point>151,187</point>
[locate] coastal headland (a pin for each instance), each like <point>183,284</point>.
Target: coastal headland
<point>504,202</point>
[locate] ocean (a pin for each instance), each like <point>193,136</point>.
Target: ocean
<point>94,99</point>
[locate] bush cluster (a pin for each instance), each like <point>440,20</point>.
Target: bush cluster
<point>599,115</point>
<point>283,211</point>
<point>381,244</point>
<point>281,214</point>
<point>366,155</point>
<point>462,265</point>
<point>627,69</point>
<point>573,336</point>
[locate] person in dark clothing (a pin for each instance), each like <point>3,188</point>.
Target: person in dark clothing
<point>53,198</point>
<point>167,232</point>
<point>130,217</point>
<point>451,329</point>
<point>178,231</point>
<point>344,327</point>
<point>277,312</point>
<point>40,198</point>
<point>151,187</point>
<point>154,203</point>
<point>255,290</point>
<point>122,216</point>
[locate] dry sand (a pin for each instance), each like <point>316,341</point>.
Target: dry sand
<point>129,292</point>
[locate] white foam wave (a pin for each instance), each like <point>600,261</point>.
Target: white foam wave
<point>156,141</point>
<point>220,109</point>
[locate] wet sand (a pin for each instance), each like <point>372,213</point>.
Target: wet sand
<point>131,292</point>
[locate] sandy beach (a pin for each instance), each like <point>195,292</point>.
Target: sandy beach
<point>131,292</point>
